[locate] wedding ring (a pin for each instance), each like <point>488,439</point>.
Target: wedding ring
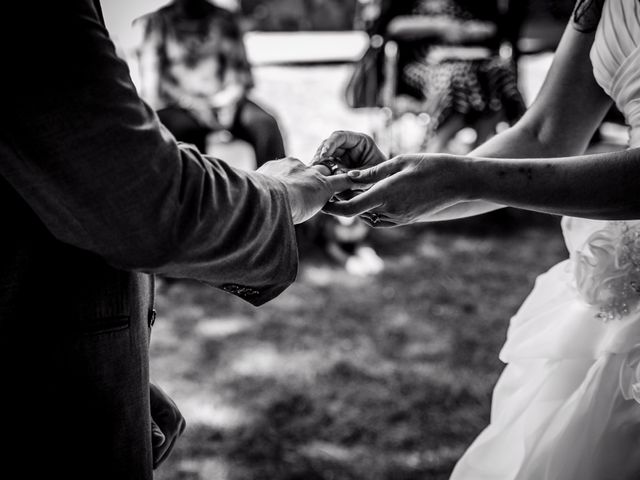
<point>331,164</point>
<point>373,217</point>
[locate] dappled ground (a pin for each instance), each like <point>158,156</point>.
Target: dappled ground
<point>350,378</point>
<point>342,377</point>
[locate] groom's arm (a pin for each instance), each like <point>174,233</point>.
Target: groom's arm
<point>95,165</point>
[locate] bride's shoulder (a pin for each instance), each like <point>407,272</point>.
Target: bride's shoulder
<point>586,15</point>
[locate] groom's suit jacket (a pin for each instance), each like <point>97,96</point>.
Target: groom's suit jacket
<point>95,195</point>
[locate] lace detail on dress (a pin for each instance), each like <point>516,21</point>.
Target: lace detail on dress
<point>607,270</point>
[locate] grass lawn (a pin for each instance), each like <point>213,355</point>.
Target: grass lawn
<point>342,377</point>
<point>345,377</point>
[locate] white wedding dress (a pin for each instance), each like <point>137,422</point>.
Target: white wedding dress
<point>567,406</point>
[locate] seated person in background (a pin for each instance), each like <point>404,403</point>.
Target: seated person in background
<point>453,67</point>
<point>194,71</point>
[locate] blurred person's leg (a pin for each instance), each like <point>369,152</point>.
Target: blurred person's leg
<point>260,129</point>
<point>184,126</point>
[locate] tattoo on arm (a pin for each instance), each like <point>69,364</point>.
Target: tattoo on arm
<point>586,15</point>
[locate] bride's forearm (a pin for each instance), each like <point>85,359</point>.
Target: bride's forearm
<point>524,140</point>
<point>600,186</point>
<point>516,142</point>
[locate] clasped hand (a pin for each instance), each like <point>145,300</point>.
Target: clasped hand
<point>398,191</point>
<point>383,192</point>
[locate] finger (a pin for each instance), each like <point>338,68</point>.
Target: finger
<point>366,218</point>
<point>328,146</point>
<point>357,205</point>
<point>367,221</point>
<point>375,217</point>
<point>161,453</point>
<point>378,223</point>
<point>337,152</point>
<point>348,194</point>
<point>346,139</point>
<point>379,215</point>
<point>339,142</point>
<point>339,183</point>
<point>157,437</point>
<point>165,453</point>
<point>323,169</point>
<point>384,224</point>
<point>318,155</point>
<point>166,450</point>
<point>377,173</point>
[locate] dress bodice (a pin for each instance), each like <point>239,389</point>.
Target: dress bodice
<point>605,256</point>
<point>615,56</point>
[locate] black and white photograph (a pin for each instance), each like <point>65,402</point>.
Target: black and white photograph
<point>320,239</point>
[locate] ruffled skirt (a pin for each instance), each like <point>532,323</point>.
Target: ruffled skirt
<point>567,406</point>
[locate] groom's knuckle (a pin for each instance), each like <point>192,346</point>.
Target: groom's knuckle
<point>338,134</point>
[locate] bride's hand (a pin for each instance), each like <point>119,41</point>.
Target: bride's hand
<point>351,149</point>
<point>408,189</point>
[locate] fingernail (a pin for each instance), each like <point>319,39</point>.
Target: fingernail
<point>353,173</point>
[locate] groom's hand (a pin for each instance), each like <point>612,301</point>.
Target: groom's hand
<point>307,187</point>
<point>167,424</point>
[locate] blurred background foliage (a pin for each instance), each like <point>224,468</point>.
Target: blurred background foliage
<point>295,15</point>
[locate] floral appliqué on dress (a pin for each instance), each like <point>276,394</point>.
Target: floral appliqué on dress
<point>607,270</point>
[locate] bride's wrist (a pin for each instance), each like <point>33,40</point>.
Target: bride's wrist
<point>474,178</point>
<point>463,173</point>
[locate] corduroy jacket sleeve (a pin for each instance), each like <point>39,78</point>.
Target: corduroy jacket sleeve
<point>99,170</point>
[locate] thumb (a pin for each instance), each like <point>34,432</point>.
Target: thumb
<point>157,437</point>
<point>377,173</point>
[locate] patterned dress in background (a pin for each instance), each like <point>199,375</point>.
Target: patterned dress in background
<point>470,87</point>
